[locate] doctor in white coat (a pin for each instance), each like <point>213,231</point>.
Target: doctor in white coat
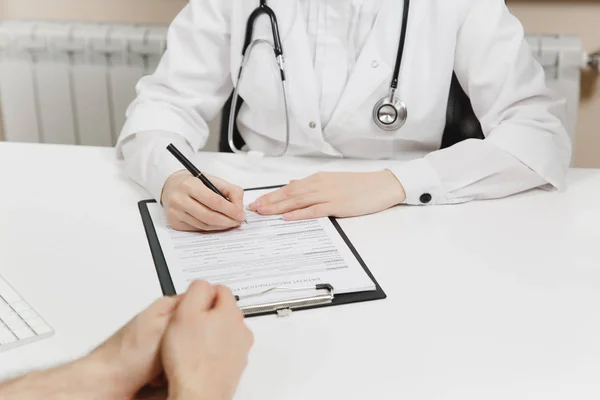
<point>339,61</point>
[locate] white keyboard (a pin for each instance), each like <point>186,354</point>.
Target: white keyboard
<point>19,323</point>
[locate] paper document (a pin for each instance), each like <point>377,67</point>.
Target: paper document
<point>267,252</point>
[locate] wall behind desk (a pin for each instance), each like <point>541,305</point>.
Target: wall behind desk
<point>93,10</point>
<point>577,17</point>
<point>581,18</point>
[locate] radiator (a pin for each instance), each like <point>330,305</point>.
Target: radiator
<point>562,58</point>
<point>70,83</point>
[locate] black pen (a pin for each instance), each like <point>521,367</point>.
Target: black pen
<point>195,171</point>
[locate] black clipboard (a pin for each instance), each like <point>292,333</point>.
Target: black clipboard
<point>168,288</point>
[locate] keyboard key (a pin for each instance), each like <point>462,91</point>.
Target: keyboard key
<point>19,323</point>
<point>24,333</point>
<point>8,315</point>
<point>27,314</point>
<point>34,321</point>
<point>42,329</point>
<point>20,306</point>
<point>6,336</point>
<point>8,293</point>
<point>16,325</point>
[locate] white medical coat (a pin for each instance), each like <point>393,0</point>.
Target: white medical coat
<point>526,144</point>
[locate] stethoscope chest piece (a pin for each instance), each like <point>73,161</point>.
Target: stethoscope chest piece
<point>390,114</point>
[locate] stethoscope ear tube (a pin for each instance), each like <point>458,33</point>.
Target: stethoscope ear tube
<point>234,108</point>
<point>263,9</point>
<point>249,44</point>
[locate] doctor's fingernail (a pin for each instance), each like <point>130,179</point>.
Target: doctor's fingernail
<point>254,206</point>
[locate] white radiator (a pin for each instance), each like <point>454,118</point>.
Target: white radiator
<point>71,83</point>
<point>563,58</point>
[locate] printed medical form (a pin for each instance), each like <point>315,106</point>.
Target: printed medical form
<point>267,252</point>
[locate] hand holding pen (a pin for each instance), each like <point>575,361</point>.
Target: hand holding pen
<point>198,202</point>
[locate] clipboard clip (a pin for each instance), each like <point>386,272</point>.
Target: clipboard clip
<point>284,308</point>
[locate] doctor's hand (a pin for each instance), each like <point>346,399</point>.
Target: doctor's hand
<point>205,349</point>
<point>335,194</point>
<point>191,206</point>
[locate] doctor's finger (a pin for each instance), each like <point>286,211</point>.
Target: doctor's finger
<point>210,199</point>
<point>316,211</point>
<point>176,220</point>
<point>185,220</point>
<point>290,191</point>
<point>206,215</point>
<point>236,195</point>
<point>182,226</point>
<point>201,225</point>
<point>293,204</point>
<point>231,191</point>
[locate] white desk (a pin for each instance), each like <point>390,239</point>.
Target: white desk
<point>487,300</point>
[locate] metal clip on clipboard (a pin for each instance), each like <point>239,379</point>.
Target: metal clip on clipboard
<point>284,308</point>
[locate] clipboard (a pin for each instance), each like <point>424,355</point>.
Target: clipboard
<point>324,293</point>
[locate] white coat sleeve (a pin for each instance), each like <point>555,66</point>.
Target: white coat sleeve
<point>526,144</point>
<point>188,89</point>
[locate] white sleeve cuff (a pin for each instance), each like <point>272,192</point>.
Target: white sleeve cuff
<point>421,183</point>
<point>163,166</point>
<point>148,161</point>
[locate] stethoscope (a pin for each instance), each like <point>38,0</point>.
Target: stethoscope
<point>389,113</point>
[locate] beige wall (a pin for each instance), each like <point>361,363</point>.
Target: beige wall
<point>539,16</point>
<point>93,10</point>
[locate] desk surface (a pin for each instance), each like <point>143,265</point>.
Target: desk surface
<point>486,300</point>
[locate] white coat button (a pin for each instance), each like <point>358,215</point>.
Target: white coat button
<point>312,124</point>
<point>375,64</point>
